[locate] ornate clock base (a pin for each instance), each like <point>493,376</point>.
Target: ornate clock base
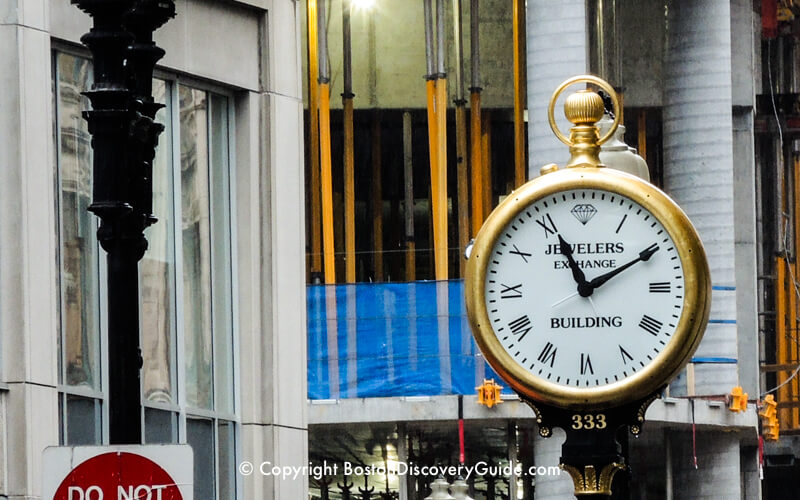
<point>588,483</point>
<point>591,453</point>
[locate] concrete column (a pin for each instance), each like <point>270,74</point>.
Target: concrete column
<point>698,161</point>
<point>647,469</point>
<point>718,471</point>
<point>547,453</point>
<point>745,31</point>
<point>28,310</point>
<point>557,50</point>
<point>271,265</point>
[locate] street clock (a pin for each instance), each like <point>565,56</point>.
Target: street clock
<point>587,288</point>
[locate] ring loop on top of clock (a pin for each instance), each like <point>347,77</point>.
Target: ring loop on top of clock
<point>578,111</point>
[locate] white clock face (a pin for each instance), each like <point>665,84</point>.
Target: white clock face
<point>584,288</point>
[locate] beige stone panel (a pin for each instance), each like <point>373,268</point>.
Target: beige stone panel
<point>286,315</point>
<point>32,426</point>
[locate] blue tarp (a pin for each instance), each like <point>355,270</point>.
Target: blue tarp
<point>391,339</point>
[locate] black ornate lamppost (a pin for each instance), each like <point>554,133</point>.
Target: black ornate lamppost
<point>124,138</point>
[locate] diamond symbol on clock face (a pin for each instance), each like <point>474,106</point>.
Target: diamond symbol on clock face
<point>583,212</point>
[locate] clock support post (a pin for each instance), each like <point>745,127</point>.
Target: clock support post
<point>591,453</point>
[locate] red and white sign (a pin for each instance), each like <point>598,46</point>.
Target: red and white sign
<point>151,472</point>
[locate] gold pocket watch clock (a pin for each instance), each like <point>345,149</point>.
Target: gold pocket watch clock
<point>587,287</point>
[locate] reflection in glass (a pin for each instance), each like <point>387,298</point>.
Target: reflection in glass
<point>83,421</point>
<point>227,459</point>
<point>195,238</point>
<point>160,426</point>
<point>200,435</point>
<point>158,271</point>
<point>221,258</point>
<point>80,342</point>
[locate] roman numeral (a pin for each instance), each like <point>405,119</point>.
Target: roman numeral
<point>547,223</point>
<point>548,353</point>
<point>511,292</point>
<point>650,325</point>
<point>520,253</point>
<point>625,355</point>
<point>520,326</point>
<point>586,364</point>
<point>660,287</point>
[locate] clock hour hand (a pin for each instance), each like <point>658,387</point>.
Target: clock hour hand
<point>577,272</point>
<point>644,255</point>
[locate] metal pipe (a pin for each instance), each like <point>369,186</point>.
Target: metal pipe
<point>322,26</point>
<point>347,56</point>
<point>462,171</point>
<point>430,58</point>
<point>377,196</point>
<point>459,49</point>
<point>313,132</point>
<point>408,181</point>
<point>474,43</point>
<point>462,186</point>
<point>486,157</point>
<point>349,162</point>
<point>440,38</point>
<point>519,124</point>
<point>642,134</point>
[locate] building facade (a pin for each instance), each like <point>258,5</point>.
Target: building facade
<point>222,328</point>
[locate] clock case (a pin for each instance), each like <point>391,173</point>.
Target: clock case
<point>585,171</point>
<point>690,326</point>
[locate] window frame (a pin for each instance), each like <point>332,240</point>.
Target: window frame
<point>179,410</point>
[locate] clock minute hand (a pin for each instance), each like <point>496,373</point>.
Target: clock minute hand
<point>644,255</point>
<point>577,272</point>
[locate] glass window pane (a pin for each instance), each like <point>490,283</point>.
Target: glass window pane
<point>195,238</point>
<point>227,459</point>
<point>78,246</point>
<point>160,426</point>
<point>221,258</point>
<point>158,271</point>
<point>200,435</point>
<point>83,421</point>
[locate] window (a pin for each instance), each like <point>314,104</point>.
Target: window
<point>186,286</point>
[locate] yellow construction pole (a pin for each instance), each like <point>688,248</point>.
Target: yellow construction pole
<point>440,190</point>
<point>781,340</point>
<point>349,193</point>
<point>793,332</point>
<point>433,136</point>
<point>519,90</point>
<point>349,162</point>
<point>476,162</point>
<point>313,131</point>
<point>326,178</point>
